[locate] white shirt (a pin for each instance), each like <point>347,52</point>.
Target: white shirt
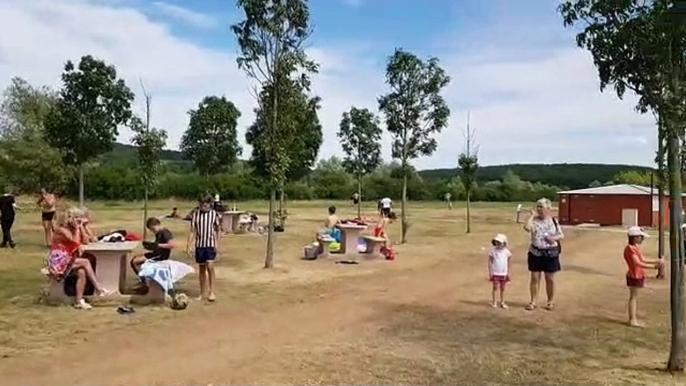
<point>386,202</point>
<point>500,261</point>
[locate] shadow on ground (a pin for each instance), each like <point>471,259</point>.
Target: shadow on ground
<point>442,346</point>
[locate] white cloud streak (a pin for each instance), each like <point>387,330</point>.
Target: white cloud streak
<point>185,15</point>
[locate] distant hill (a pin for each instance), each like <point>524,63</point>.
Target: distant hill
<point>573,176</point>
<point>122,150</point>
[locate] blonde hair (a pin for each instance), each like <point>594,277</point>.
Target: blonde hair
<point>70,213</point>
<point>545,203</point>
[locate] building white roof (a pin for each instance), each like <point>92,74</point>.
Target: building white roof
<point>623,189</point>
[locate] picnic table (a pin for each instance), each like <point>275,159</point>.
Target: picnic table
<point>350,235</point>
<point>230,220</point>
<point>110,262</point>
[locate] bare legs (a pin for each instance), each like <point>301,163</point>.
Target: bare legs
<point>550,289</point>
<point>534,287</point>
<point>633,297</point>
<point>47,228</point>
<point>499,288</point>
<point>207,278</point>
<point>136,263</point>
<point>83,264</point>
<point>84,272</point>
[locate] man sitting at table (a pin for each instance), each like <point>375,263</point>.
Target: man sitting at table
<point>159,250</point>
<point>330,225</point>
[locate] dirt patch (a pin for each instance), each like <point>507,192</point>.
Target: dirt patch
<point>422,319</point>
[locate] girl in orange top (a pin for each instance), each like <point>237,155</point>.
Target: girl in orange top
<point>635,275</point>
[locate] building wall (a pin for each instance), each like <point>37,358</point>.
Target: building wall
<point>603,209</point>
<point>666,217</point>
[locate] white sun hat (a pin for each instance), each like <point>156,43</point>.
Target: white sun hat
<point>636,231</point>
<point>501,238</point>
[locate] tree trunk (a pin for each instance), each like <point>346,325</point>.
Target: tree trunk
<point>469,218</point>
<point>677,354</point>
<point>145,212</point>
<point>281,206</point>
<point>403,202</point>
<point>81,193</point>
<point>359,197</point>
<point>661,227</point>
<point>661,194</point>
<point>269,258</point>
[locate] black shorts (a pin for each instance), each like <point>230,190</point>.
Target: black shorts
<point>155,256</point>
<point>386,211</point>
<point>543,263</point>
<point>48,216</point>
<point>356,201</point>
<point>205,255</point>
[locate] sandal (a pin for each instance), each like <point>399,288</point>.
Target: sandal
<point>531,306</point>
<point>550,306</point>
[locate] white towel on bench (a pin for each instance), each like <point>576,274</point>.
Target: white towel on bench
<point>165,273</point>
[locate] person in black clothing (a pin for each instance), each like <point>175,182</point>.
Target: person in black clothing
<point>159,250</point>
<point>8,208</point>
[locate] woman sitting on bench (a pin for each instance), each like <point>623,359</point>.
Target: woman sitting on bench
<point>65,255</point>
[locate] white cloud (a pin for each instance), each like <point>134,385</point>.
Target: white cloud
<point>353,3</point>
<point>196,19</point>
<point>545,108</point>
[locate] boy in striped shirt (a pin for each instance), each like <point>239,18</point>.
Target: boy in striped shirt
<point>205,225</point>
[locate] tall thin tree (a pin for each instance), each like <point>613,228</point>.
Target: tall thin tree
<point>415,111</point>
<point>271,39</point>
<point>468,164</point>
<point>149,143</point>
<point>360,137</point>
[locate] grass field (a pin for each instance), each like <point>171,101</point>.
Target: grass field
<point>422,319</point>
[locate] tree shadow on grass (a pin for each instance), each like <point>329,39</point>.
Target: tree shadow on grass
<point>585,270</point>
<point>500,347</point>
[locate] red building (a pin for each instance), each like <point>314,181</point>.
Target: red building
<point>611,205</point>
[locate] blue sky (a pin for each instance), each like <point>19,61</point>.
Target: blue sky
<point>531,94</point>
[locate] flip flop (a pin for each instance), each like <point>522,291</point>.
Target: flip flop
<point>123,310</point>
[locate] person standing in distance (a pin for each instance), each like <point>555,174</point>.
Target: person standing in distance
<point>47,203</point>
<point>204,232</point>
<point>8,207</point>
<point>386,204</point>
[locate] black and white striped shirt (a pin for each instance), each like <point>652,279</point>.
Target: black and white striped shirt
<point>206,228</point>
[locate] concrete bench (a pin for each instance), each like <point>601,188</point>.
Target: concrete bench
<point>56,294</point>
<point>374,245</point>
<point>155,295</point>
<point>324,249</point>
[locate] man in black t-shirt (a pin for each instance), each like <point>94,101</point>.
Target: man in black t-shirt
<point>159,250</point>
<point>7,212</point>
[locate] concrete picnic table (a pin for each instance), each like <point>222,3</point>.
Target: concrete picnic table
<point>350,234</point>
<point>110,262</point>
<point>230,220</point>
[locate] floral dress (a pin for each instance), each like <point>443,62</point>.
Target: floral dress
<point>61,257</point>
